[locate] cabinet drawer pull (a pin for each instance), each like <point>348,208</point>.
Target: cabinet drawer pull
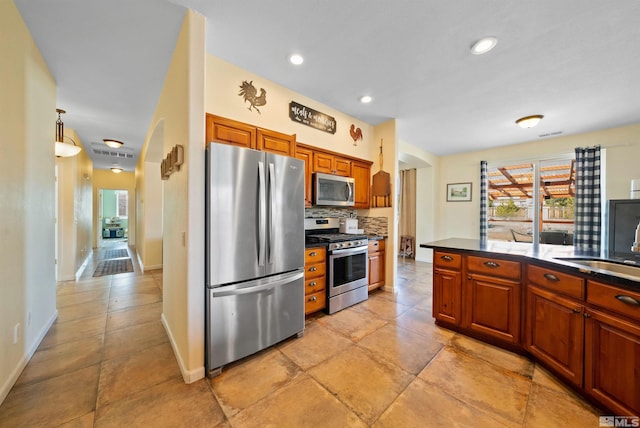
<point>628,300</point>
<point>575,311</point>
<point>313,284</point>
<point>551,277</point>
<point>313,298</point>
<point>447,258</point>
<point>313,254</point>
<point>313,269</point>
<point>492,265</point>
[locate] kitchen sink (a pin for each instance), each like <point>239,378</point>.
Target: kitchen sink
<point>615,268</point>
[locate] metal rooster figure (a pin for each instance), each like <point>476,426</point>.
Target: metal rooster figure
<point>250,94</point>
<point>356,134</point>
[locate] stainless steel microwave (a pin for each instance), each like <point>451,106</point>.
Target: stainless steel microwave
<point>333,190</point>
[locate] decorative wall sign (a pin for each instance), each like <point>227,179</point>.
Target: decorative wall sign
<point>171,163</point>
<point>356,134</point>
<point>310,117</point>
<point>250,94</point>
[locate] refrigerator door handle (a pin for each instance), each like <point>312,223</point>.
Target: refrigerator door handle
<point>272,209</point>
<point>262,214</point>
<point>257,285</point>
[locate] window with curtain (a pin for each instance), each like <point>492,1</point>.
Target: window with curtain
<point>529,201</point>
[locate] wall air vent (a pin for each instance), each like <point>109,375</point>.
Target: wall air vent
<point>550,134</point>
<point>121,153</point>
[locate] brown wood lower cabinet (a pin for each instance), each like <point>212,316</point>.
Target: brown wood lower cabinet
<point>315,269</point>
<point>612,362</point>
<point>585,331</point>
<point>555,332</point>
<point>376,264</point>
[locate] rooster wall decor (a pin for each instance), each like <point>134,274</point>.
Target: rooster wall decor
<point>356,134</point>
<point>250,94</point>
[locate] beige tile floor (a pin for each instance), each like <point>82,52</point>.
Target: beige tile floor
<point>106,362</point>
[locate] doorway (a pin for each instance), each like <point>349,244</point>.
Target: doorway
<point>113,220</point>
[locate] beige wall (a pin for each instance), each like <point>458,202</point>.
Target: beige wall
<point>27,107</point>
<point>105,179</point>
<point>180,114</point>
<point>461,219</point>
<point>75,209</point>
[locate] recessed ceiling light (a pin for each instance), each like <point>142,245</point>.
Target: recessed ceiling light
<point>366,99</point>
<point>114,144</point>
<point>296,59</point>
<point>483,45</point>
<point>529,121</point>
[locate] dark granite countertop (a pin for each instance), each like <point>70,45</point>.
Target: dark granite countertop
<point>316,244</point>
<point>552,255</point>
<point>376,237</point>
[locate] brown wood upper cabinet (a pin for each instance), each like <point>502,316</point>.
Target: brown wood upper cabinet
<point>306,155</point>
<point>241,134</point>
<point>331,164</point>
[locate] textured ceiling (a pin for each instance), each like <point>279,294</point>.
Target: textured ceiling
<point>575,62</point>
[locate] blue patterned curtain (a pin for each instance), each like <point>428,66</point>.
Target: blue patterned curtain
<point>484,184</point>
<point>587,203</point>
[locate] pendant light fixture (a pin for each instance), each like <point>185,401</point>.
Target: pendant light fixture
<point>529,121</point>
<point>63,149</point>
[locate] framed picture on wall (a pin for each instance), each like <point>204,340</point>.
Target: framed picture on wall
<point>458,192</point>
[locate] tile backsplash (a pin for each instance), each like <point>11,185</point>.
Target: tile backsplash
<point>371,225</point>
<point>374,225</point>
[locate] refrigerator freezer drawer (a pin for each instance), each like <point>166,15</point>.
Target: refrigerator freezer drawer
<point>244,320</point>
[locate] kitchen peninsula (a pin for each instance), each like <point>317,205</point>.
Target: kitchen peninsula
<point>581,322</point>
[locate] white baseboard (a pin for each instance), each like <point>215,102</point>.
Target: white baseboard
<point>144,268</point>
<point>189,376</point>
<point>15,374</point>
<point>83,266</point>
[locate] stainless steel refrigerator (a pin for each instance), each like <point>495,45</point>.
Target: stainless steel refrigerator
<point>254,252</point>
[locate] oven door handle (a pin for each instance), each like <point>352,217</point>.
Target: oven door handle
<point>349,251</point>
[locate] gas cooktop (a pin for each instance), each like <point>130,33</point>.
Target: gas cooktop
<point>334,237</point>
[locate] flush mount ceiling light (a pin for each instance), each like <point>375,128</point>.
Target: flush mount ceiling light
<point>529,121</point>
<point>116,170</point>
<point>366,99</point>
<point>296,59</point>
<point>63,149</point>
<point>483,45</point>
<point>114,144</point>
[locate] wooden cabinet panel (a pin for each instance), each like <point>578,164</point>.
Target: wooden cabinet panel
<point>376,245</point>
<point>331,164</point>
<point>447,292</point>
<point>361,172</point>
<point>556,281</point>
<point>230,131</point>
<point>624,302</point>
<point>306,155</point>
<point>494,267</point>
<point>447,260</point>
<point>612,362</point>
<point>492,307</point>
<point>555,332</point>
<point>275,142</point>
<point>315,268</point>
<point>376,258</point>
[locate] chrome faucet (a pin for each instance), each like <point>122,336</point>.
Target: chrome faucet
<point>636,242</point>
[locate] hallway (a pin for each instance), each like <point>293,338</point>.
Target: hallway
<point>107,362</point>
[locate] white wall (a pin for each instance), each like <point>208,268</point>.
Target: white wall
<point>27,106</point>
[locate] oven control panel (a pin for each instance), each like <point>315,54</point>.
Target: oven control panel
<point>348,244</point>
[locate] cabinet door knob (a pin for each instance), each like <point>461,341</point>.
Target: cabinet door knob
<point>492,265</point>
<point>313,284</point>
<point>551,277</point>
<point>313,254</point>
<point>313,298</point>
<point>628,300</point>
<point>575,311</point>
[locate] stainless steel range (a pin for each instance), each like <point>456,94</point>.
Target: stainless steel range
<point>347,264</point>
